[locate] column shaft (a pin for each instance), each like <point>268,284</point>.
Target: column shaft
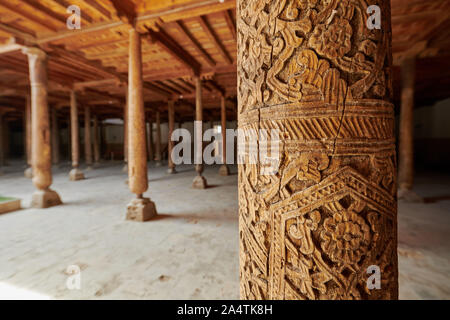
<point>75,173</point>
<point>406,138</point>
<point>151,153</point>
<point>96,141</point>
<point>140,209</point>
<point>318,208</point>
<point>40,128</point>
<point>87,136</point>
<point>199,181</point>
<point>158,138</point>
<point>223,171</point>
<point>171,113</point>
<point>55,136</point>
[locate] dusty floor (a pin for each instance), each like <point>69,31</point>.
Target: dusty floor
<point>189,252</point>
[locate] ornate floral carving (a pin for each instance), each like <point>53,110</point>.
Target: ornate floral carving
<point>310,69</point>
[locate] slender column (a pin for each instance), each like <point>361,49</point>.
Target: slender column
<point>96,141</point>
<point>2,145</point>
<point>55,136</point>
<point>87,137</point>
<point>224,170</point>
<point>43,197</point>
<point>151,153</point>
<point>171,111</point>
<point>406,136</point>
<point>318,210</point>
<point>75,174</point>
<point>139,209</point>
<point>28,171</point>
<point>199,181</point>
<point>158,139</point>
<point>125,134</point>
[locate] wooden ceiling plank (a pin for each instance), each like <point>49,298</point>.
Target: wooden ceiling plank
<point>231,24</point>
<point>185,32</point>
<point>28,16</point>
<point>214,38</point>
<point>174,49</point>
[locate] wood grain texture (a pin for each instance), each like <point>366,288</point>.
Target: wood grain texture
<point>312,70</point>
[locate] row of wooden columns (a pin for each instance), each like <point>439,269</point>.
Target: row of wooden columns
<point>44,145</point>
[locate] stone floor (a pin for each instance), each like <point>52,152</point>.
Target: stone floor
<point>189,252</point>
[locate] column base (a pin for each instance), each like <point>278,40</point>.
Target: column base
<point>28,173</point>
<point>409,196</point>
<point>199,183</point>
<point>76,174</point>
<point>171,171</point>
<point>125,168</point>
<point>45,199</point>
<point>224,170</point>
<point>158,163</point>
<point>141,210</point>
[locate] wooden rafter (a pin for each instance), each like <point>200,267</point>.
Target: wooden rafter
<point>230,22</point>
<point>184,31</point>
<point>125,10</point>
<point>214,38</point>
<point>174,49</point>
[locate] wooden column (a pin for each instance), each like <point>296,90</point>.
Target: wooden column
<point>87,137</point>
<point>158,139</point>
<point>318,215</point>
<point>125,135</point>
<point>43,197</point>
<point>55,136</point>
<point>199,181</point>
<point>75,174</point>
<point>28,171</point>
<point>151,153</point>
<point>139,209</point>
<point>171,111</point>
<point>406,137</point>
<point>96,141</point>
<point>224,170</point>
<point>2,145</point>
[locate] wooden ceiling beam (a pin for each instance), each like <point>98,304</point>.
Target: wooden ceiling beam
<point>171,46</point>
<point>28,16</point>
<point>186,33</point>
<point>214,38</point>
<point>230,22</point>
<point>126,11</point>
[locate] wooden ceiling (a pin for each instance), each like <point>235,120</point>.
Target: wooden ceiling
<point>179,39</point>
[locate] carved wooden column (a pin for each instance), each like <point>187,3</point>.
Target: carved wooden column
<point>43,197</point>
<point>199,181</point>
<point>158,139</point>
<point>125,135</point>
<point>2,144</point>
<point>55,136</point>
<point>224,170</point>
<point>151,153</point>
<point>75,174</point>
<point>28,171</point>
<point>406,137</point>
<point>140,209</point>
<point>96,142</point>
<point>319,215</point>
<point>87,137</point>
<point>171,111</point>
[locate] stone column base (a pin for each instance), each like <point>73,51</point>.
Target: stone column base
<point>199,183</point>
<point>28,173</point>
<point>171,171</point>
<point>76,174</point>
<point>224,170</point>
<point>125,168</point>
<point>409,196</point>
<point>45,198</point>
<point>141,210</point>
